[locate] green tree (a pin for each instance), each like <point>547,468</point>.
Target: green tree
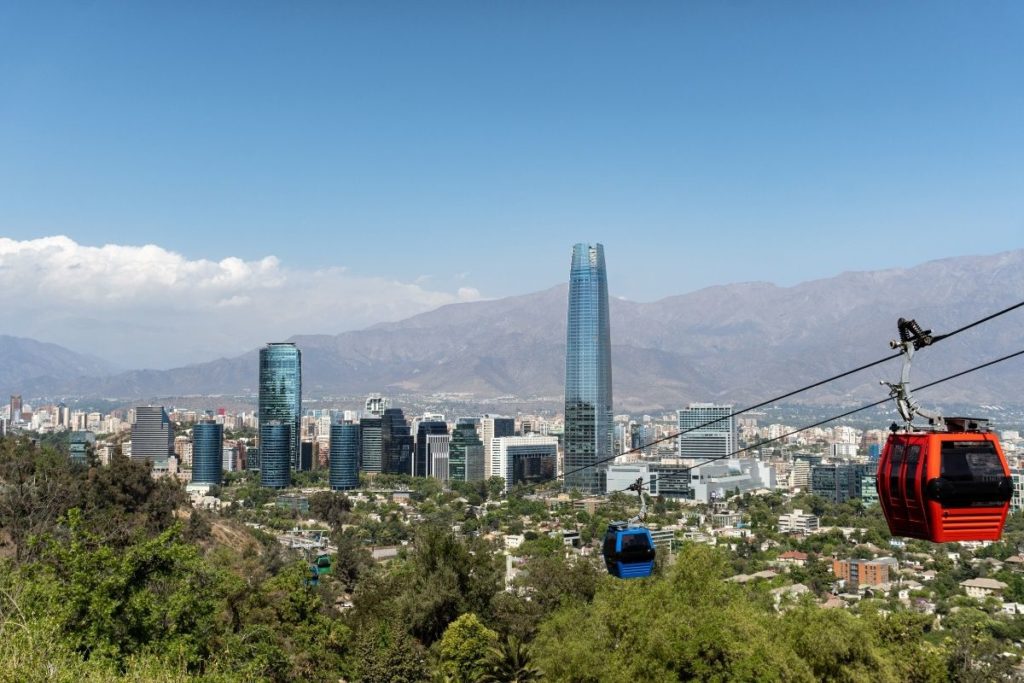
<point>386,653</point>
<point>509,662</point>
<point>36,487</point>
<point>464,647</point>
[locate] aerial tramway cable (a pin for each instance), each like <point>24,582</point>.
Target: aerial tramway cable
<point>935,339</point>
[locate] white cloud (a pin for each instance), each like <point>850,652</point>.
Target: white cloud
<point>150,307</point>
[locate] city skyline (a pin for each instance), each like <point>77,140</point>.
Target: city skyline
<point>781,144</point>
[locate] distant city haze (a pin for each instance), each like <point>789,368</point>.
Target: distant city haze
<point>726,344</point>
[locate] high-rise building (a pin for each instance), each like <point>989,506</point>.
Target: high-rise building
<point>588,372</point>
<point>701,440</point>
<point>207,453</point>
<point>16,406</point>
<point>524,459</point>
<point>837,482</point>
<point>276,442</point>
<point>280,392</point>
<point>466,452</point>
<point>438,449</point>
<point>491,428</point>
<point>376,405</point>
<point>79,444</point>
<point>396,442</point>
<point>344,465</point>
<point>152,435</point>
<point>371,440</point>
<point>422,462</point>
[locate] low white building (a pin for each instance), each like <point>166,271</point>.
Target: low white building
<point>982,588</point>
<point>798,522</point>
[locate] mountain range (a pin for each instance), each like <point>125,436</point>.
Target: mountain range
<point>731,343</point>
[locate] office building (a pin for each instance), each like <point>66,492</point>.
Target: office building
<point>280,393</point>
<point>16,406</point>
<point>396,442</point>
<point>152,435</point>
<point>438,451</point>
<point>344,464</point>
<point>276,443</point>
<point>837,483</point>
<point>371,441</point>
<point>492,427</point>
<point>706,431</point>
<point>465,453</point>
<point>229,461</point>
<point>422,462</point>
<point>207,453</point>
<point>800,475</point>
<point>588,372</point>
<point>79,445</point>
<point>524,459</point>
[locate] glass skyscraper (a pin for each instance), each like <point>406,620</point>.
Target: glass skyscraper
<point>152,435</point>
<point>396,442</point>
<point>275,449</point>
<point>344,472</point>
<point>465,453</point>
<point>281,392</point>
<point>422,467</point>
<point>207,451</point>
<point>371,438</point>
<point>588,372</point>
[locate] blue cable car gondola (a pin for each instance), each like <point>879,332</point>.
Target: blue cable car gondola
<point>628,546</point>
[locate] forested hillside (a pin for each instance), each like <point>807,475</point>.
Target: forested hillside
<point>109,573</point>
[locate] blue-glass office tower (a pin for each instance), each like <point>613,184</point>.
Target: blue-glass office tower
<point>421,463</point>
<point>371,457</point>
<point>152,435</point>
<point>344,472</point>
<point>588,372</point>
<point>275,453</point>
<point>207,453</point>
<point>396,442</point>
<point>466,452</point>
<point>281,392</point>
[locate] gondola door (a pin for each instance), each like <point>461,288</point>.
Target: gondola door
<point>899,476</point>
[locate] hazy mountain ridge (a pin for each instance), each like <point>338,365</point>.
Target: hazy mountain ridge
<point>738,342</point>
<point>27,361</point>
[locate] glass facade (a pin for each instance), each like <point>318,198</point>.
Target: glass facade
<point>422,464</point>
<point>372,444</point>
<point>152,435</point>
<point>465,453</point>
<point>281,392</point>
<point>396,442</point>
<point>344,465</point>
<point>275,454</point>
<point>79,445</point>
<point>207,453</point>
<point>702,440</point>
<point>589,429</point>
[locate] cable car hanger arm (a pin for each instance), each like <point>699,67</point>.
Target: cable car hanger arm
<point>912,337</point>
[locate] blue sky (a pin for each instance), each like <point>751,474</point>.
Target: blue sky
<point>468,145</point>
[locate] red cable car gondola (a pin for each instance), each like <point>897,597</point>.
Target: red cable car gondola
<point>945,486</point>
<point>948,484</point>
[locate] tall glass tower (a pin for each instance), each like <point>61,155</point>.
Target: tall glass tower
<point>275,445</point>
<point>588,372</point>
<point>207,452</point>
<point>344,472</point>
<point>281,392</point>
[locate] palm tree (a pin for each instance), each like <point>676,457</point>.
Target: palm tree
<point>509,662</point>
